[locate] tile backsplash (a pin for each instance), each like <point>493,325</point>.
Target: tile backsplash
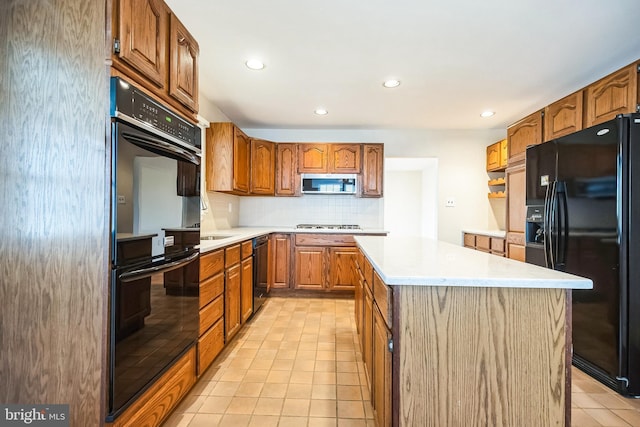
<point>311,209</point>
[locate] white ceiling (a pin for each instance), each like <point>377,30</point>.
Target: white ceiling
<point>455,58</point>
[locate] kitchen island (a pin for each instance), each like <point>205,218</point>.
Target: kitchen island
<point>476,339</point>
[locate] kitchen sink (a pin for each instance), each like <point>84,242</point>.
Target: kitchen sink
<point>214,237</point>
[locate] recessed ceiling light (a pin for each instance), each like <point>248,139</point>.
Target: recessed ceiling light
<point>254,64</point>
<point>391,83</point>
<point>321,112</point>
<point>487,113</point>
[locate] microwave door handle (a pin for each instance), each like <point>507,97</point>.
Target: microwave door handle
<point>145,272</point>
<point>162,146</point>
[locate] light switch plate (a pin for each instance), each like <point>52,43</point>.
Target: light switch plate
<point>451,202</point>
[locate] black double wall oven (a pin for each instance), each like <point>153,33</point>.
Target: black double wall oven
<point>155,201</point>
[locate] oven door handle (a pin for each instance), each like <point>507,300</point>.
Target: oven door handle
<point>162,146</point>
<point>145,272</point>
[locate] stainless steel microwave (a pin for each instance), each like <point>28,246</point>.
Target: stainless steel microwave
<point>329,183</point>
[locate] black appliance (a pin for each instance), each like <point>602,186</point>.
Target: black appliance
<point>583,218</point>
<point>260,271</point>
<point>155,200</point>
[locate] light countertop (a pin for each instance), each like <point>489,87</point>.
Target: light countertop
<point>428,262</point>
<point>240,234</point>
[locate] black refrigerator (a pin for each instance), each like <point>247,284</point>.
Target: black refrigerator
<point>583,219</point>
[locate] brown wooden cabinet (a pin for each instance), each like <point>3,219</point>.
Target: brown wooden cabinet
<point>323,261</point>
<point>263,164</point>
<point>344,158</point>
<point>563,116</point>
<point>287,177</point>
<point>381,367</point>
<point>228,159</point>
<point>497,156</point>
<point>211,298</point>
<point>340,268</point>
<point>516,211</point>
<point>614,94</point>
<point>372,170</point>
<point>520,135</point>
<point>233,283</point>
<point>484,243</point>
<point>246,291</point>
<point>367,334</point>
<point>313,158</point>
<point>281,259</point>
<point>183,65</point>
<point>152,49</point>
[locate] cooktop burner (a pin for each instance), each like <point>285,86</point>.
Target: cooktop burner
<point>328,226</point>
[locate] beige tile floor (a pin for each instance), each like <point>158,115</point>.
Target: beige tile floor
<point>297,363</point>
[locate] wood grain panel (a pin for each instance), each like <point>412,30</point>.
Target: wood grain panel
<point>210,289</point>
<point>210,314</point>
<point>468,356</point>
<point>281,248</point>
<point>310,267</point>
<point>211,263</point>
<point>312,158</point>
<point>325,239</point>
<point>246,249</point>
<point>210,345</point>
<point>183,66</point>
<point>614,94</point>
<point>231,255</point>
<point>54,246</point>
<point>344,158</point>
<point>522,134</point>
<point>287,177</point>
<point>563,116</point>
<point>383,298</point>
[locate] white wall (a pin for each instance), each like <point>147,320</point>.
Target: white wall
<point>461,156</point>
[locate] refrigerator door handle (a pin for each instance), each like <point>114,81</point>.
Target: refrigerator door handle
<point>553,205</point>
<point>546,226</point>
<point>563,225</point>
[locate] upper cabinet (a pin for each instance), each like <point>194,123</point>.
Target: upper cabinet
<point>373,165</point>
<point>614,94</point>
<point>313,158</point>
<point>287,177</point>
<point>563,117</point>
<point>520,135</point>
<point>344,158</point>
<point>263,163</point>
<point>152,49</point>
<point>228,159</point>
<point>497,156</point>
<point>183,66</point>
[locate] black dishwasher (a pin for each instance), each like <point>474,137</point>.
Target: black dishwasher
<point>260,271</point>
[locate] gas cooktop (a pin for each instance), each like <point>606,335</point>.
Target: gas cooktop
<point>328,226</point>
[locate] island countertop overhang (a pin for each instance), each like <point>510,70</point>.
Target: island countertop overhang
<point>418,261</point>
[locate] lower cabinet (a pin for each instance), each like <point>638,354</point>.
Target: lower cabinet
<point>281,260</point>
<point>484,243</point>
<point>381,388</point>
<point>232,317</point>
<point>211,297</point>
<point>323,262</point>
<point>246,291</point>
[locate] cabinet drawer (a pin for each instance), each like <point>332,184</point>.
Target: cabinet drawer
<point>211,263</point>
<point>325,240</point>
<point>483,243</point>
<point>497,244</point>
<point>247,249</point>
<point>368,273</point>
<point>210,345</point>
<point>470,240</point>
<point>383,297</point>
<point>211,313</point>
<point>232,256</point>
<point>211,288</point>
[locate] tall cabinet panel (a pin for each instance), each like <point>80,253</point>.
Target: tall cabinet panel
<point>263,162</point>
<point>373,164</point>
<point>228,159</point>
<point>287,178</point>
<point>516,211</point>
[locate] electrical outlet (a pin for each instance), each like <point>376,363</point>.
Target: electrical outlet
<point>451,202</point>
<point>230,207</point>
<point>121,199</point>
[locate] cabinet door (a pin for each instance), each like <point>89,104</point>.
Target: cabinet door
<point>516,200</point>
<point>367,335</point>
<point>358,293</point>
<point>340,268</point>
<point>493,157</point>
<point>287,178</point>
<point>312,158</point>
<point>504,153</point>
<point>281,247</point>
<point>516,252</point>
<point>563,117</point>
<point>232,301</point>
<point>143,28</point>
<point>373,163</point>
<point>310,267</point>
<point>615,94</point>
<point>344,158</point>
<point>263,163</point>
<point>241,161</point>
<point>381,371</point>
<point>520,135</point>
<point>246,292</point>
<point>183,66</point>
